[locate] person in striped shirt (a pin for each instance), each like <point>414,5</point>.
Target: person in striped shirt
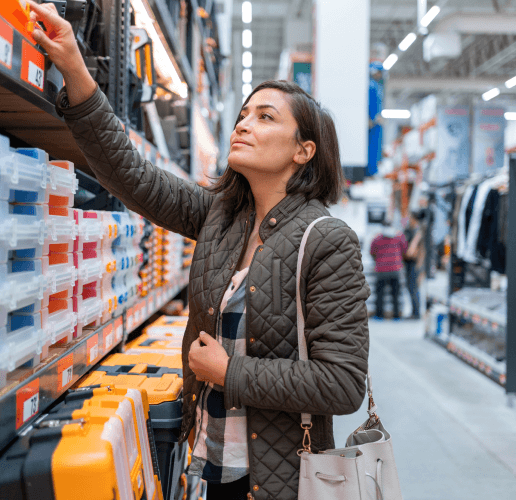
<point>387,250</point>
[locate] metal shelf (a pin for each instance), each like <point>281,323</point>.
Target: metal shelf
<point>473,356</point>
<point>21,402</point>
<point>166,23</point>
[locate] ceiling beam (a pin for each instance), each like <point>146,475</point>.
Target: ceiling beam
<point>421,84</point>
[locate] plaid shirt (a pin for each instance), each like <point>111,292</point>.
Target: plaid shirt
<point>220,450</point>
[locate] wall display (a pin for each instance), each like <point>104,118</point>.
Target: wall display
<point>452,161</point>
<point>488,139</point>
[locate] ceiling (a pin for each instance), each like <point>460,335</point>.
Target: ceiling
<point>486,59</point>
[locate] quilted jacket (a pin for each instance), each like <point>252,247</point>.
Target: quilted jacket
<point>270,380</point>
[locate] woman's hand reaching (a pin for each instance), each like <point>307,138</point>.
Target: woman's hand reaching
<point>59,43</point>
<point>208,362</point>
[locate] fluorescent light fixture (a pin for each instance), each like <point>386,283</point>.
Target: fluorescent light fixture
<point>247,12</point>
<point>491,94</point>
<point>220,107</point>
<point>390,62</point>
<point>430,16</point>
<point>407,42</point>
<point>396,114</point>
<point>162,58</point>
<point>247,76</point>
<point>247,39</point>
<point>510,116</point>
<point>247,59</point>
<point>247,88</point>
<point>510,83</point>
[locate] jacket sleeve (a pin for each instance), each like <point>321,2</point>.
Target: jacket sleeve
<point>332,382</point>
<point>163,198</point>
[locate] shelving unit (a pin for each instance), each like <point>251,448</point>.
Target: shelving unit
<point>20,403</point>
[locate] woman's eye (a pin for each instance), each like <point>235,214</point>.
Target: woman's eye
<point>266,116</point>
<point>240,118</point>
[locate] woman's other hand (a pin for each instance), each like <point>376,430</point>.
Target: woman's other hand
<point>60,45</point>
<point>208,362</point>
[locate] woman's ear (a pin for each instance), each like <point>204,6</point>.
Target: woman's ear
<point>305,152</point>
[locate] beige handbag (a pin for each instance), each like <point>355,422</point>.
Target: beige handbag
<point>365,469</point>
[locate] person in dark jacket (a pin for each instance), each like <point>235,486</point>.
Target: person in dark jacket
<point>413,235</point>
<point>244,386</point>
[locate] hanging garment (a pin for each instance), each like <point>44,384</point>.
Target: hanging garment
<point>489,244</point>
<point>461,234</point>
<point>470,251</point>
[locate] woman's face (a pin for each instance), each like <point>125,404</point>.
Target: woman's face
<point>264,139</point>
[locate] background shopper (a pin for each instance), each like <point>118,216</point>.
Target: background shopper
<point>241,372</point>
<point>413,235</point>
<point>387,250</point>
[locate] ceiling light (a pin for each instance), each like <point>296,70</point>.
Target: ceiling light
<point>407,42</point>
<point>162,58</point>
<point>247,76</point>
<point>390,62</point>
<point>510,116</point>
<point>247,88</point>
<point>247,59</point>
<point>430,16</point>
<point>247,39</point>
<point>397,114</point>
<point>510,83</point>
<point>220,107</point>
<point>247,12</point>
<point>491,94</point>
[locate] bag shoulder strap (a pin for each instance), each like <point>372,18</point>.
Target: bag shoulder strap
<point>306,418</point>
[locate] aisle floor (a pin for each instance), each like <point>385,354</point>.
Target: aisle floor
<point>453,432</point>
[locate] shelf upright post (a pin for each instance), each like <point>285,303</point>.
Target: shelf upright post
<point>510,385</point>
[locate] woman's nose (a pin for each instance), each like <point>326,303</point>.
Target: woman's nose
<point>243,125</point>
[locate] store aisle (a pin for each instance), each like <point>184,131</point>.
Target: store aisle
<point>454,436</point>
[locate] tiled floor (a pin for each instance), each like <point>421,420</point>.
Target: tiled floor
<point>454,435</point>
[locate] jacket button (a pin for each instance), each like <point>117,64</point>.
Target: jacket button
<point>249,496</point>
<point>211,311</point>
<point>261,249</point>
<point>272,222</point>
<point>254,436</point>
<point>256,487</point>
<point>194,397</point>
<point>252,339</point>
<point>253,289</point>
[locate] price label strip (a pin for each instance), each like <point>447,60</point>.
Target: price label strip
<point>109,337</point>
<point>6,44</point>
<point>64,372</point>
<point>27,402</point>
<point>92,348</point>
<point>33,66</point>
<point>119,329</point>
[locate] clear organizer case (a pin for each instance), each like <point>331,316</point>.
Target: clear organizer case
<point>111,229</point>
<point>21,283</point>
<point>62,184</point>
<point>62,229</point>
<point>60,325</point>
<point>88,311</point>
<point>60,271</point>
<point>109,298</point>
<point>127,229</point>
<point>90,230</point>
<point>88,270</point>
<point>21,345</point>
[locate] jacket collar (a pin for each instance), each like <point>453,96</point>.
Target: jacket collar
<point>287,208</point>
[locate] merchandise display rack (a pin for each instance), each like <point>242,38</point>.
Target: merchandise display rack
<point>21,403</point>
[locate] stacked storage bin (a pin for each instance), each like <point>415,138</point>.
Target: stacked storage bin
<point>36,264</point>
<point>147,247</point>
<point>109,298</point>
<point>87,297</point>
<point>132,278</point>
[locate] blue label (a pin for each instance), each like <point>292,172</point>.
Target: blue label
<point>23,209</point>
<point>17,322</point>
<point>25,253</point>
<point>21,266</point>
<point>23,196</point>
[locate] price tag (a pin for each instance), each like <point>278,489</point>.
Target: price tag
<point>33,66</point>
<point>27,402</point>
<point>6,44</point>
<point>119,329</point>
<point>109,337</point>
<point>130,318</point>
<point>92,348</point>
<point>150,305</point>
<point>64,372</point>
<point>148,151</point>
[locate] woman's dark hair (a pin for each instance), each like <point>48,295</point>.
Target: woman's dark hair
<point>321,178</point>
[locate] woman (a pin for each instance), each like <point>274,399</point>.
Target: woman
<point>244,407</point>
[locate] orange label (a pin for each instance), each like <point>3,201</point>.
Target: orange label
<point>33,66</point>
<point>64,372</point>
<point>27,402</point>
<point>6,44</point>
<point>130,318</point>
<point>92,348</point>
<point>109,337</point>
<point>119,329</point>
<point>151,304</point>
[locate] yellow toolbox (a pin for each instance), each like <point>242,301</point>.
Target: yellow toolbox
<point>167,327</point>
<point>144,343</point>
<point>93,445</point>
<point>163,384</point>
